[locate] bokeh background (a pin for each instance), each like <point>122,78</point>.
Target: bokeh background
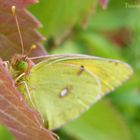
<point>87,27</point>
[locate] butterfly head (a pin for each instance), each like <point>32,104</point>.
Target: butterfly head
<point>21,63</point>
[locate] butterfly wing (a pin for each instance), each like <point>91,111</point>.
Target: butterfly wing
<point>64,86</point>
<point>111,73</point>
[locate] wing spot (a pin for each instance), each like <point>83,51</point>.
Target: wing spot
<point>65,91</point>
<point>82,68</point>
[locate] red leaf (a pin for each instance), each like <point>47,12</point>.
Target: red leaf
<point>18,3</point>
<point>9,37</point>
<point>16,115</point>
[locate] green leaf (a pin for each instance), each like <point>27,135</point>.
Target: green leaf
<point>116,16</point>
<point>101,122</point>
<point>58,16</point>
<point>5,134</point>
<point>98,45</point>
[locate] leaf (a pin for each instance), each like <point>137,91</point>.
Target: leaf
<point>5,134</point>
<point>60,17</point>
<point>9,37</point>
<point>99,46</point>
<point>16,115</point>
<point>113,17</point>
<point>101,122</point>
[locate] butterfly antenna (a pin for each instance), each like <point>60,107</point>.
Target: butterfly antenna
<point>18,28</point>
<point>31,49</point>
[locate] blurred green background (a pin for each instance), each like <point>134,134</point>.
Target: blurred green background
<point>83,26</point>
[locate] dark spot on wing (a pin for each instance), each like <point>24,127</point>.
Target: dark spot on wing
<point>82,68</point>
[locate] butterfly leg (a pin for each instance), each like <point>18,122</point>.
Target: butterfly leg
<point>33,105</point>
<point>28,93</point>
<point>6,65</point>
<point>19,77</point>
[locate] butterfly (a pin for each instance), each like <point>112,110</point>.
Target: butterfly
<point>61,87</point>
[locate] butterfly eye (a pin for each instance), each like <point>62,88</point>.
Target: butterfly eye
<point>22,65</point>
